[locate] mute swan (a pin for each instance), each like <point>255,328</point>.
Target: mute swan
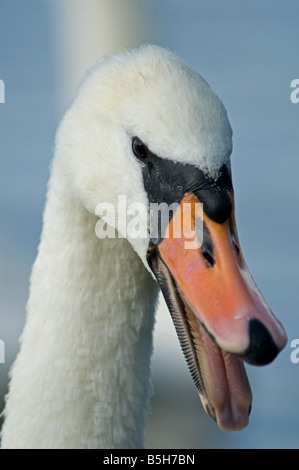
<point>146,126</point>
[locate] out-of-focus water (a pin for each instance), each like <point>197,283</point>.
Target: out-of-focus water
<point>249,55</point>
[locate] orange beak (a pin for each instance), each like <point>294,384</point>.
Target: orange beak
<point>218,286</point>
<point>219,314</point>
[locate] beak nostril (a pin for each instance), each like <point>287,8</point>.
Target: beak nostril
<point>233,238</point>
<point>236,247</point>
<point>207,246</point>
<point>208,256</point>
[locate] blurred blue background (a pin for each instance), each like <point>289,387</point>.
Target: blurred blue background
<point>248,52</point>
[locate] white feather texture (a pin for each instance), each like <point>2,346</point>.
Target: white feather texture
<point>82,376</point>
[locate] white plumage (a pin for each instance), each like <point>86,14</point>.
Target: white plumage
<point>82,377</point>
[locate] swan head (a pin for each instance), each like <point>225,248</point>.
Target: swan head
<point>146,128</point>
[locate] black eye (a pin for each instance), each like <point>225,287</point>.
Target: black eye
<point>139,149</point>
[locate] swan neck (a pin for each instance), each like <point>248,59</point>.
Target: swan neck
<point>82,377</point>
